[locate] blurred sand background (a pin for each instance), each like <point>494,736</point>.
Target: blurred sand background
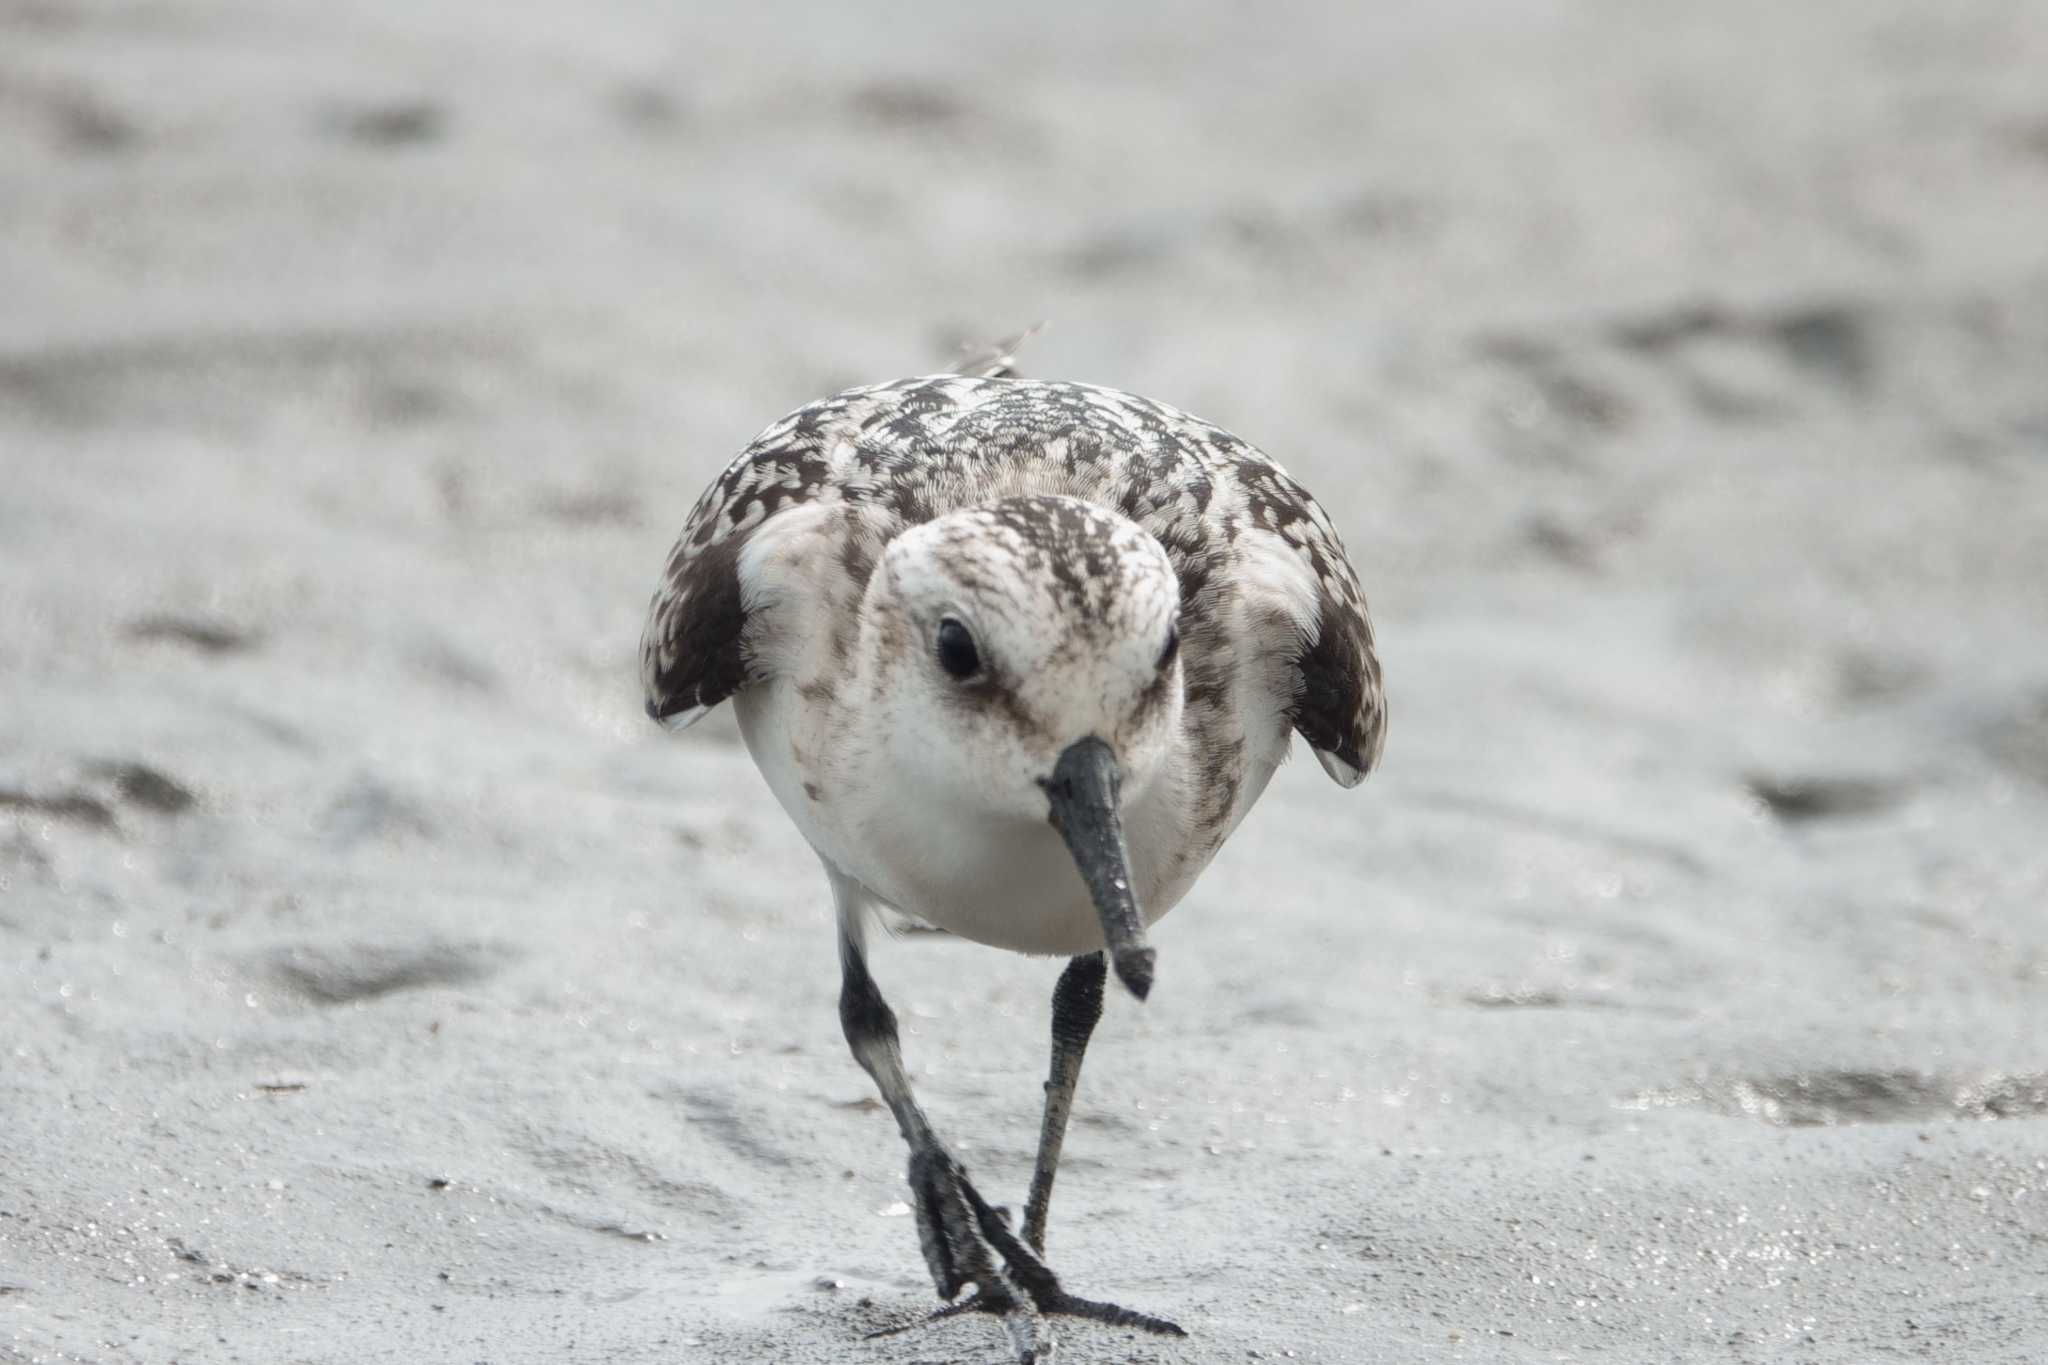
<point>377,985</point>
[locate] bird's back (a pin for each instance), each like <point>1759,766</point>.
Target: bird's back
<point>1245,540</point>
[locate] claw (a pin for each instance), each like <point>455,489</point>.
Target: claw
<point>1038,1280</point>
<point>928,1172</point>
<point>1029,1342</point>
<point>963,1237</point>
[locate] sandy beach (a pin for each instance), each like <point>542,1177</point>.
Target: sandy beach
<point>377,984</point>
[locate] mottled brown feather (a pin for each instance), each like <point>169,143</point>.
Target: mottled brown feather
<point>902,453</point>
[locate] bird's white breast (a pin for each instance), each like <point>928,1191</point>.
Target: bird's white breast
<point>1002,881</point>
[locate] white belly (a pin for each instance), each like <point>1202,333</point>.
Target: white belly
<point>1009,883</point>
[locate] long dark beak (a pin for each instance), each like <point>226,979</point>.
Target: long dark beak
<point>1083,790</point>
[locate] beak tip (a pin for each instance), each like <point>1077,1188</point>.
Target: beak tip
<point>1134,969</point>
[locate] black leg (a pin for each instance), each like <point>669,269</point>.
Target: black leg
<point>962,1236</point>
<point>1076,1006</point>
<point>947,1226</point>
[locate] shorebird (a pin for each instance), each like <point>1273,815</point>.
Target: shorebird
<point>1017,657</point>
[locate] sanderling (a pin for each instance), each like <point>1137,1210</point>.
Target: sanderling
<point>1016,657</point>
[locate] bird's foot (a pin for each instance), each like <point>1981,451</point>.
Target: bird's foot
<point>966,1240</point>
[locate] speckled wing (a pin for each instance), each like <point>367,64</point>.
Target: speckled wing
<point>693,652</point>
<point>901,453</point>
<point>1340,704</point>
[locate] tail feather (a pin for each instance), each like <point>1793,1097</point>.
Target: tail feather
<point>993,360</point>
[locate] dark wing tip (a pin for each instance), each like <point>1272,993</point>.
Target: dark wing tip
<point>1341,709</point>
<point>666,709</point>
<point>692,653</point>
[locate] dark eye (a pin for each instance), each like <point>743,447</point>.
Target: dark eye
<point>957,654</point>
<point>1172,647</point>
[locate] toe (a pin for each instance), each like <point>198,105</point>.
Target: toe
<point>937,1232</point>
<point>1110,1314</point>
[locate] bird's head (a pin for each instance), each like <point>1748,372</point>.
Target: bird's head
<point>1028,668</point>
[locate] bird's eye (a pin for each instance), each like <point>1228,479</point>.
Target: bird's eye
<point>1172,648</point>
<point>957,654</point>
